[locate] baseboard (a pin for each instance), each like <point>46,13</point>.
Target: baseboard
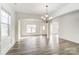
<point>4,52</point>
<point>33,35</point>
<point>69,40</point>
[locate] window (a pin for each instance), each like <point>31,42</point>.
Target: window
<point>43,27</point>
<point>30,28</point>
<point>5,23</point>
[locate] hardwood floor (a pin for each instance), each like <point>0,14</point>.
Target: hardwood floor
<point>68,48</point>
<point>33,46</point>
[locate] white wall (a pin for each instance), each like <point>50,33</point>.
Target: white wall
<point>69,27</point>
<point>68,18</point>
<point>7,43</point>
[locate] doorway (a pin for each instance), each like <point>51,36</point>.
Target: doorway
<point>54,40</point>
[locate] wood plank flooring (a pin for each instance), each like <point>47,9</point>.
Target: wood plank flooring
<point>22,48</point>
<point>68,48</point>
<point>31,46</point>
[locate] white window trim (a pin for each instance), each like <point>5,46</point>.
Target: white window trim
<point>9,20</point>
<point>30,28</point>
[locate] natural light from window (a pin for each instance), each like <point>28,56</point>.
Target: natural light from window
<point>5,23</point>
<point>30,28</point>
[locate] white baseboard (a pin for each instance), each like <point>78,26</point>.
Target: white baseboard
<point>3,52</point>
<point>70,40</point>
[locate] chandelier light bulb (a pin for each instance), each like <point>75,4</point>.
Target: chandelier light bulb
<point>46,15</point>
<point>44,18</point>
<point>50,18</point>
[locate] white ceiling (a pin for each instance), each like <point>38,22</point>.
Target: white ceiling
<point>37,8</point>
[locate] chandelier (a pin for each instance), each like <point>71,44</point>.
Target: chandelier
<point>46,18</point>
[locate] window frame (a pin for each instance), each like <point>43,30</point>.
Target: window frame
<point>8,20</point>
<point>30,28</point>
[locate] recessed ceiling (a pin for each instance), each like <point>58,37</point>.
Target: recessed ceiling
<point>37,8</point>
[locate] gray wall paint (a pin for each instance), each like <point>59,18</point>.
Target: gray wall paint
<point>69,26</point>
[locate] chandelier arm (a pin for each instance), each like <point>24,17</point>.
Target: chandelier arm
<point>46,17</point>
<point>47,9</point>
